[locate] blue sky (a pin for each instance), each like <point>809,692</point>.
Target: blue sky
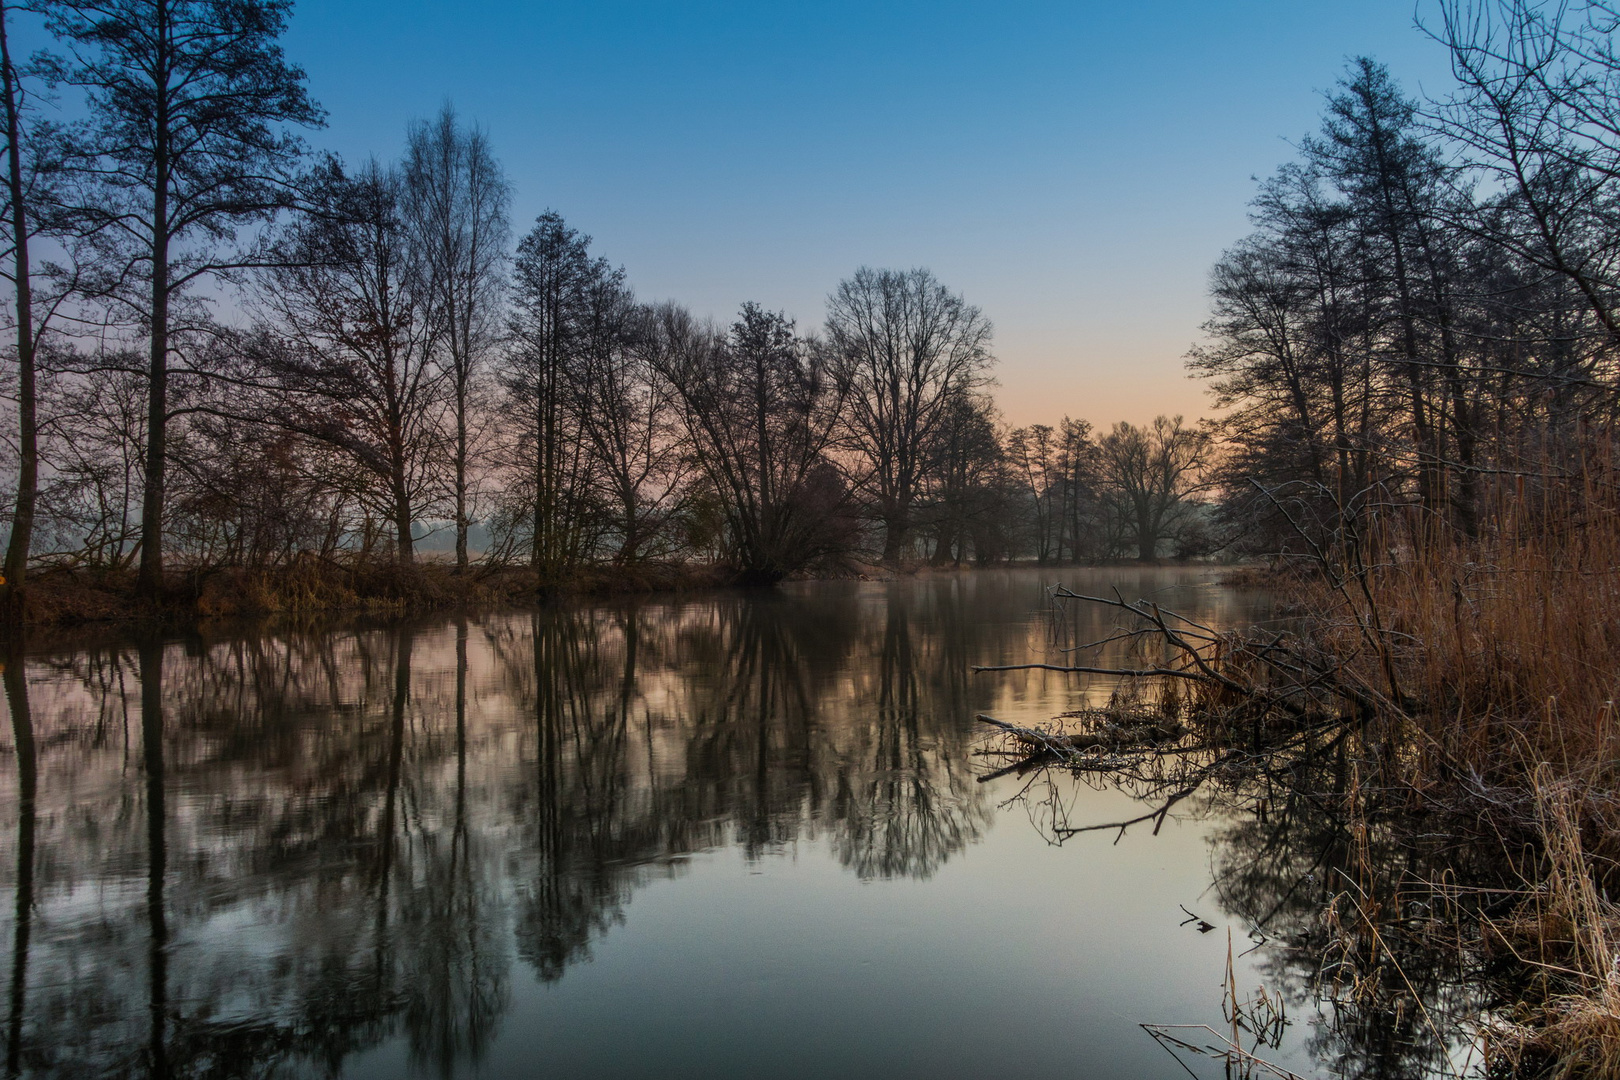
<point>1072,168</point>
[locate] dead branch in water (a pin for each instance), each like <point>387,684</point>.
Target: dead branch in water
<point>1237,1061</point>
<point>1112,735</point>
<point>1266,669</point>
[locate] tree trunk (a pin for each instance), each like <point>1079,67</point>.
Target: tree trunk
<point>150,581</point>
<point>896,528</point>
<point>461,470</point>
<point>22,519</point>
<point>405,550</point>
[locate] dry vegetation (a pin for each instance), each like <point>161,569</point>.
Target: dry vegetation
<point>1449,706</point>
<point>314,586</point>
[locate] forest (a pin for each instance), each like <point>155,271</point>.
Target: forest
<point>231,353</point>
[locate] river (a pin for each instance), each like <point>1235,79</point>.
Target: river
<point>734,834</point>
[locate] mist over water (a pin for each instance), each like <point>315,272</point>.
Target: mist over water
<point>735,834</point>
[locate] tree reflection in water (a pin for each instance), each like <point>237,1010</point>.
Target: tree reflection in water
<point>22,741</point>
<point>251,853</point>
<point>1349,916</point>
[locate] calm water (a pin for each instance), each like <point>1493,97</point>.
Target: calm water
<point>734,835</point>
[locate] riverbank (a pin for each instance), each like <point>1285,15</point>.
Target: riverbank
<point>61,597</point>
<point>1447,715</point>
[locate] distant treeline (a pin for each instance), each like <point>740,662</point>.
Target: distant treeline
<point>229,351</point>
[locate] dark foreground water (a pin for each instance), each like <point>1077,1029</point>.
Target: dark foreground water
<point>735,835</point>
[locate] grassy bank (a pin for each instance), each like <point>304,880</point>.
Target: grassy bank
<point>1495,668</point>
<point>1445,714</point>
<point>66,597</point>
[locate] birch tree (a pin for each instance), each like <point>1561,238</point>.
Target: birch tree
<point>456,199</point>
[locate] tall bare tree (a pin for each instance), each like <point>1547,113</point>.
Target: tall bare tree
<point>626,416</point>
<point>906,346</point>
<point>1034,455</point>
<point>456,200</point>
<point>553,278</point>
<point>350,345</point>
<point>20,225</point>
<point>1077,473</point>
<point>187,142</point>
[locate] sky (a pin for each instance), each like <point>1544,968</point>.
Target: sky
<point>1074,169</point>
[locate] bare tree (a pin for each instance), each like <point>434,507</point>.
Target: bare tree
<point>1077,473</point>
<point>89,501</point>
<point>906,346</point>
<point>1034,455</point>
<point>20,228</point>
<point>456,199</point>
<point>349,347</point>
<point>1372,150</point>
<point>1537,111</point>
<point>626,415</point>
<point>186,143</point>
<point>1293,355</point>
<point>968,504</point>
<point>553,278</point>
<point>759,410</point>
<point>1151,470</point>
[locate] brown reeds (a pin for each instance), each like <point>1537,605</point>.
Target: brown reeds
<point>1502,656</point>
<point>1471,677</point>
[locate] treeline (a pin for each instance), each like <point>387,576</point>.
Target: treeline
<point>1423,325</point>
<point>1417,347</point>
<point>230,351</point>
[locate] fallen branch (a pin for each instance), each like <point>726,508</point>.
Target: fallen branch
<point>1129,673</point>
<point>1233,1056</point>
<point>1113,735</point>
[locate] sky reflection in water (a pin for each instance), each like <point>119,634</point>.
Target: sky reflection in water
<point>733,835</point>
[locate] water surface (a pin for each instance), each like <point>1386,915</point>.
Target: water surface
<point>727,835</point>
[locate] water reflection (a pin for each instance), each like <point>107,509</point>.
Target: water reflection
<point>22,741</point>
<point>260,853</point>
<point>1358,919</point>
<point>1359,911</point>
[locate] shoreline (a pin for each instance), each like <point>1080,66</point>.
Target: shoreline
<point>69,598</point>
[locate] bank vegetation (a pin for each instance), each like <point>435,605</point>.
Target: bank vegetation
<point>1416,355</point>
<point>249,375</point>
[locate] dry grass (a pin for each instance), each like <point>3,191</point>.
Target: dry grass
<point>1473,683</point>
<point>1569,931</point>
<point>1499,660</point>
<point>311,585</point>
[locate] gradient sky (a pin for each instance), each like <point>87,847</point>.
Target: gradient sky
<point>1072,168</point>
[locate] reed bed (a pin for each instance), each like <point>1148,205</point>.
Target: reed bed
<point>1495,664</point>
<point>1467,686</point>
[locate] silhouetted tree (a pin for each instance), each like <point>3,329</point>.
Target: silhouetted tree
<point>968,502</point>
<point>759,410</point>
<point>552,282</point>
<point>186,142</point>
<point>1150,471</point>
<point>907,347</point>
<point>20,224</point>
<point>455,205</point>
<point>350,349</point>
